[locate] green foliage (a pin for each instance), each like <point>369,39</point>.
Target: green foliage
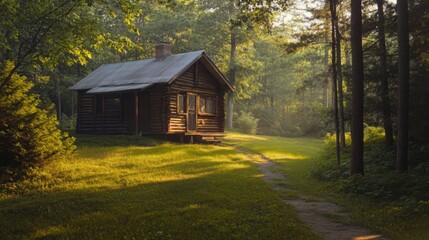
<point>246,123</point>
<point>300,119</point>
<point>381,181</point>
<point>67,123</point>
<point>28,133</point>
<point>288,100</point>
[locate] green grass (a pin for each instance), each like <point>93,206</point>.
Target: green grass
<point>119,187</point>
<point>298,157</point>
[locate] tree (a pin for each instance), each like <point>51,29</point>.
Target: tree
<point>403,99</point>
<point>40,34</point>
<point>28,134</point>
<point>357,166</point>
<point>232,63</point>
<point>333,7</point>
<point>341,119</point>
<point>36,38</point>
<point>384,83</point>
<point>242,13</point>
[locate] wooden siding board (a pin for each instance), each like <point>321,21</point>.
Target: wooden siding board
<point>204,85</point>
<point>111,119</point>
<point>156,107</point>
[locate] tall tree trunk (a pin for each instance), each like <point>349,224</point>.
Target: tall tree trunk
<point>347,74</point>
<point>340,85</point>
<point>404,69</point>
<point>332,4</point>
<point>357,88</point>
<point>385,99</point>
<point>326,57</point>
<point>232,70</point>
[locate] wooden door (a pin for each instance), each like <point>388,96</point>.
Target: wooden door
<point>192,112</point>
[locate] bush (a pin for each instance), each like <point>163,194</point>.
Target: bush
<point>381,180</point>
<point>28,134</point>
<point>269,122</point>
<point>246,123</point>
<point>68,123</point>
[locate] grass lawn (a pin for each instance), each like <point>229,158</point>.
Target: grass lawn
<point>298,156</point>
<point>122,187</point>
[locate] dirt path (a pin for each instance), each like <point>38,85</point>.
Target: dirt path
<point>318,214</point>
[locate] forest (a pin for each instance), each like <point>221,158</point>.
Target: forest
<point>353,73</point>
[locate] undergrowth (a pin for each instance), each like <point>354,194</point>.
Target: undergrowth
<point>406,192</point>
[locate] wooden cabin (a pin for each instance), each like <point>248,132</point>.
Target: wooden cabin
<point>180,96</point>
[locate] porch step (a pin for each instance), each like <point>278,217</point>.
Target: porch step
<point>210,140</point>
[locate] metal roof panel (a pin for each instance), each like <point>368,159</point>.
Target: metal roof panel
<point>138,72</point>
<point>108,89</point>
<point>131,75</point>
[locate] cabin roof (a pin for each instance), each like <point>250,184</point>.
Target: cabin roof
<point>140,74</point>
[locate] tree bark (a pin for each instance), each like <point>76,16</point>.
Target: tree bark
<point>384,84</point>
<point>340,84</point>
<point>232,71</point>
<point>332,5</point>
<point>357,166</point>
<point>404,69</point>
<point>326,57</point>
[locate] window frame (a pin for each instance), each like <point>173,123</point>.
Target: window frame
<point>185,109</point>
<point>214,101</point>
<point>119,103</point>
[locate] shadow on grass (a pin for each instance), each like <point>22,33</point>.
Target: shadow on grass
<point>213,195</point>
<point>101,140</point>
<point>185,209</point>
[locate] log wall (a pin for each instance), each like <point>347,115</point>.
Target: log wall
<point>153,111</point>
<point>206,86</point>
<point>103,113</point>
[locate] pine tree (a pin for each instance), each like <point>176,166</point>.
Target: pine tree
<point>28,134</point>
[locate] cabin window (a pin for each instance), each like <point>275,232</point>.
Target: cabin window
<point>202,104</point>
<point>181,103</point>
<point>113,107</point>
<point>207,105</point>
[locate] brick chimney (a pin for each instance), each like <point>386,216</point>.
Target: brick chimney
<point>162,50</point>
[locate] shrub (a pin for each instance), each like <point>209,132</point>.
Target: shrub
<point>28,134</point>
<point>67,123</point>
<point>246,123</point>
<point>269,123</point>
<point>381,180</point>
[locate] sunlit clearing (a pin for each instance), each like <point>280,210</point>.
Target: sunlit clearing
<point>258,175</point>
<point>367,237</point>
<point>274,155</point>
<point>245,137</point>
<point>50,231</point>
